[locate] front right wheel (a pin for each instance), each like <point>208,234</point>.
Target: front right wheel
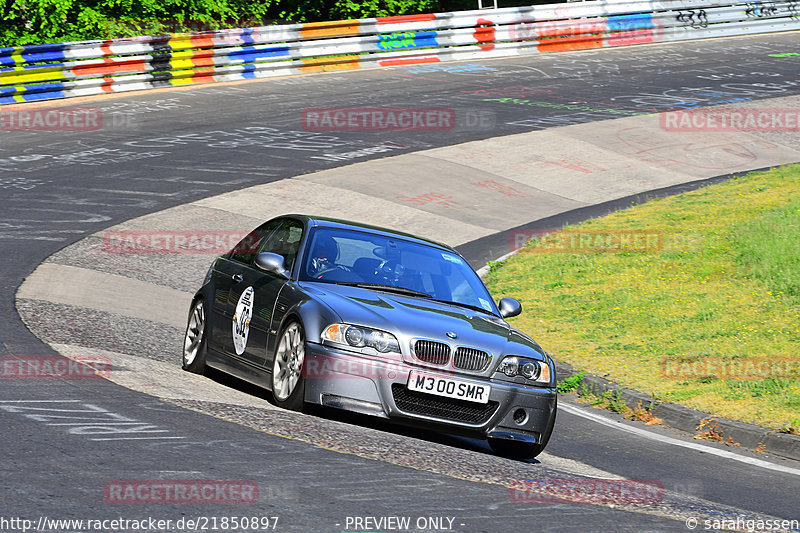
<point>194,341</point>
<point>288,384</point>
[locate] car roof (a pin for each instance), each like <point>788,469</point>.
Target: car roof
<point>326,222</point>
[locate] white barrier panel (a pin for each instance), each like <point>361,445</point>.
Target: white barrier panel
<point>62,70</point>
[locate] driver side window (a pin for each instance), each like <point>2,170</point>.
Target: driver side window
<point>285,241</point>
<point>246,250</point>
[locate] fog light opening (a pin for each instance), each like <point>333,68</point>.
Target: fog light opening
<point>520,417</point>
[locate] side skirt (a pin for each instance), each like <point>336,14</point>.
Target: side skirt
<point>259,377</point>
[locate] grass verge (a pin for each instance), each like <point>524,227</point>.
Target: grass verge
<point>694,299</point>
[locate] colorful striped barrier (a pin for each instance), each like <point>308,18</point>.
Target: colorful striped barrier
<point>63,70</point>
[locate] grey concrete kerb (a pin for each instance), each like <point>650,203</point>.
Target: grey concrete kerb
<point>686,419</point>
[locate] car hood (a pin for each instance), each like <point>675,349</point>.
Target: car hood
<point>410,317</point>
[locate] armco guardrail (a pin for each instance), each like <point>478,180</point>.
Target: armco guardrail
<point>48,71</point>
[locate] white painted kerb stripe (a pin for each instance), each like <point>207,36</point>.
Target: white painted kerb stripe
<point>676,442</point>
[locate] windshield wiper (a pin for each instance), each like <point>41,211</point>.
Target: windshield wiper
<point>468,306</point>
<point>387,288</point>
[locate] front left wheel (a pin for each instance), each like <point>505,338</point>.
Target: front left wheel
<point>194,341</point>
<point>288,384</point>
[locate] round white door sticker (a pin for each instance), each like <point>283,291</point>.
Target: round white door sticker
<point>241,320</point>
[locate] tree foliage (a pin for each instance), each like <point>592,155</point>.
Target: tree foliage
<point>46,21</point>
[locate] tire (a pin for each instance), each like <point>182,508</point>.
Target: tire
<point>523,450</point>
<point>194,340</point>
<point>288,383</point>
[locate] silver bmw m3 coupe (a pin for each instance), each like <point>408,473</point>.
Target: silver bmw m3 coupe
<point>375,321</point>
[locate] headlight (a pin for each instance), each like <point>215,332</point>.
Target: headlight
<point>360,337</point>
<point>530,369</point>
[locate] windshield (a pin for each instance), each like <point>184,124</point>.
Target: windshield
<point>358,258</point>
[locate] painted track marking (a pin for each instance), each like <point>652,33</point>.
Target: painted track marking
<point>676,442</point>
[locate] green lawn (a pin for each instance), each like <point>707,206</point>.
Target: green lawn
<point>710,318</point>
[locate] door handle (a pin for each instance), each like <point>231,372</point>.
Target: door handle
<point>237,278</point>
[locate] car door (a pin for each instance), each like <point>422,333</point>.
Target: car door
<point>228,272</point>
<point>254,298</point>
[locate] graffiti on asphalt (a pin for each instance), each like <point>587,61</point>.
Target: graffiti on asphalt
<point>571,107</point>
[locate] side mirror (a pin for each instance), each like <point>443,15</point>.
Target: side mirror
<point>509,307</point>
<point>273,263</point>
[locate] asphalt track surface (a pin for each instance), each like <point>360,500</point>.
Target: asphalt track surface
<point>61,187</point>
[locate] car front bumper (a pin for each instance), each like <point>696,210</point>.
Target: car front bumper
<point>378,387</point>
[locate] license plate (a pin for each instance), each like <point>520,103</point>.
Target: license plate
<point>449,387</point>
